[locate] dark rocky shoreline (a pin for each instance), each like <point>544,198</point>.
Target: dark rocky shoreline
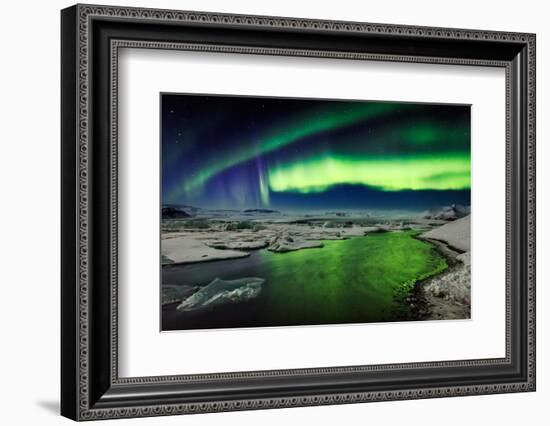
<point>445,295</point>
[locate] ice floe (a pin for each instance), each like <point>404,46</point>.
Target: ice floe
<point>220,292</point>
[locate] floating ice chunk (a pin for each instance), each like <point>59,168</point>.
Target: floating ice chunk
<point>221,292</point>
<point>189,249</point>
<point>238,245</point>
<point>285,243</point>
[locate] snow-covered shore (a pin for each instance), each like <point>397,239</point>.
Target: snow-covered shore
<point>448,295</point>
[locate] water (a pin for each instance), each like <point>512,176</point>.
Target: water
<point>359,280</point>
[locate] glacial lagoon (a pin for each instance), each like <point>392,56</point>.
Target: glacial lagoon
<point>357,280</point>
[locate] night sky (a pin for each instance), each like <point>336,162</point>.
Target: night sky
<point>231,152</point>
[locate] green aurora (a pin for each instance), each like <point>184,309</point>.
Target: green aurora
<point>388,173</point>
<point>256,150</point>
<point>308,125</point>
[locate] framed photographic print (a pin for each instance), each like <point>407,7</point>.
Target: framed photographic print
<point>290,189</point>
<point>263,212</point>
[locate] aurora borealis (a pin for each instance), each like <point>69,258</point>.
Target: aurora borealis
<point>230,152</point>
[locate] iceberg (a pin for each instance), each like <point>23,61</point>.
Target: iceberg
<point>220,292</point>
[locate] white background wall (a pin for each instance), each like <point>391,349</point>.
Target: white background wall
<point>29,214</point>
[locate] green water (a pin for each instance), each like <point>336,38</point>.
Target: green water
<point>364,279</point>
<point>351,280</point>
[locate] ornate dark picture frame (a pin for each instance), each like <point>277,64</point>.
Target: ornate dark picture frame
<point>90,385</point>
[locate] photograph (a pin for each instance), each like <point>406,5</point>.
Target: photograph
<point>283,211</point>
<point>264,209</point>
